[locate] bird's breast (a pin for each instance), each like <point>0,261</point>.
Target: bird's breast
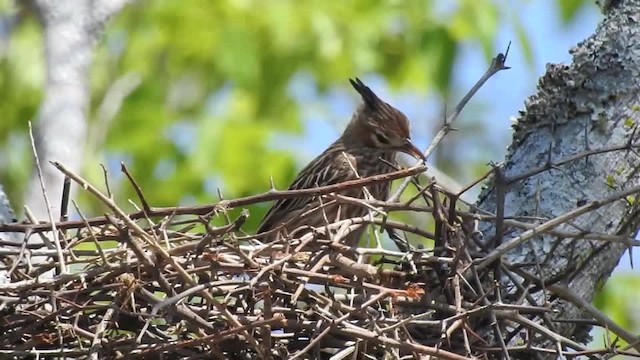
<point>369,164</point>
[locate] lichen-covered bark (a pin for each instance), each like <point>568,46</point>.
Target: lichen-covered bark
<point>592,103</point>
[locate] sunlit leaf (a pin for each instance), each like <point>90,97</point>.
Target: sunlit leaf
<point>569,8</point>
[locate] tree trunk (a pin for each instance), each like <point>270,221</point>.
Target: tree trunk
<point>71,29</point>
<point>590,104</point>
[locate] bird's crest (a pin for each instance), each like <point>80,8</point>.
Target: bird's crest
<point>368,96</point>
<point>386,116</point>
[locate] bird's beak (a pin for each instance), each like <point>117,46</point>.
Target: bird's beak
<point>409,148</point>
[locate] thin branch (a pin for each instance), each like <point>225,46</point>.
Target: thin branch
<point>206,209</point>
<point>529,234</point>
<point>569,295</point>
<point>62,268</point>
<point>497,64</point>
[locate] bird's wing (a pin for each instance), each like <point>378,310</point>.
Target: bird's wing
<point>326,169</point>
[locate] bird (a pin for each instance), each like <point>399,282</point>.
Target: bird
<point>368,146</point>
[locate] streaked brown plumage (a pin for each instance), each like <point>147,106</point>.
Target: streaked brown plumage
<point>376,132</point>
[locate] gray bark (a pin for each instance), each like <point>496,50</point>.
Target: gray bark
<point>6,212</point>
<point>592,103</point>
<point>71,29</point>
<point>6,216</point>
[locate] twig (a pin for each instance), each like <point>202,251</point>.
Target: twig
<point>64,204</point>
<point>568,295</point>
<point>145,206</point>
<point>497,64</point>
<point>583,154</point>
<point>529,234</point>
<point>206,209</point>
<point>360,333</point>
<point>62,268</point>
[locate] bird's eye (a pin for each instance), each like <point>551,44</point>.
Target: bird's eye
<point>381,139</point>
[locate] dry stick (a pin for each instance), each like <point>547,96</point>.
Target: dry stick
<point>32,353</point>
<point>501,192</point>
<point>32,218</point>
<point>364,334</point>
<point>529,349</point>
<point>102,326</point>
<point>474,183</point>
<point>459,322</point>
<point>183,313</point>
<point>166,287</point>
<point>64,204</point>
<point>414,318</point>
<point>362,202</point>
<point>529,234</point>
<point>513,316</point>
<point>165,255</point>
<point>17,261</point>
<point>206,209</point>
<point>50,253</point>
<point>383,294</point>
<point>192,290</point>
<point>312,343</point>
<point>211,339</point>
<point>569,295</point>
<point>219,231</point>
<point>92,235</point>
<point>265,331</point>
<point>578,235</point>
<point>492,315</point>
<point>497,64</point>
<point>136,187</point>
<point>578,156</point>
<point>374,205</point>
<point>106,181</point>
<point>305,279</point>
<point>62,268</point>
<point>548,166</point>
<point>421,191</point>
<point>526,294</point>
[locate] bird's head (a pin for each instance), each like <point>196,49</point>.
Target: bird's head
<point>378,125</point>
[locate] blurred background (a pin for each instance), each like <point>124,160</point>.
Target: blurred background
<point>219,96</point>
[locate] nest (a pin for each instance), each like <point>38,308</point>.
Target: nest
<point>165,283</point>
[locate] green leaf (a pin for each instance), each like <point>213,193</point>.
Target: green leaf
<point>618,299</point>
<point>569,8</point>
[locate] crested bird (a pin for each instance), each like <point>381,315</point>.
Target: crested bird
<point>368,146</point>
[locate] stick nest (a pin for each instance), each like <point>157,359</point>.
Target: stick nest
<point>166,283</point>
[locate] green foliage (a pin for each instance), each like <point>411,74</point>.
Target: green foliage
<point>569,8</point>
<point>215,79</point>
<point>21,77</point>
<point>619,299</point>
